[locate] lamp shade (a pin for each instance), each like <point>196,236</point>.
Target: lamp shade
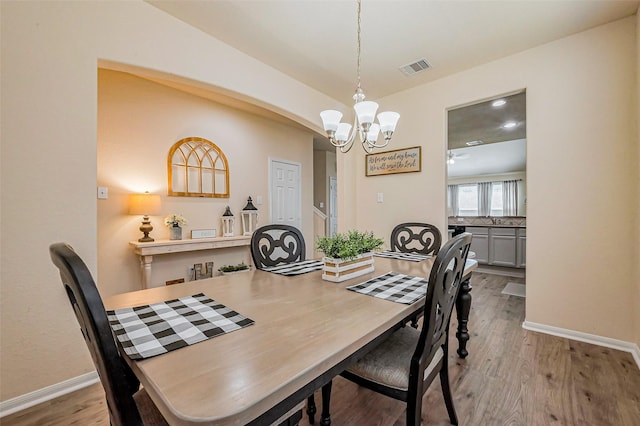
<point>388,121</point>
<point>342,134</point>
<point>366,111</point>
<point>144,204</point>
<point>330,119</point>
<point>372,134</point>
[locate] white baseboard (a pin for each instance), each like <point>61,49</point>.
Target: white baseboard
<point>39,396</point>
<point>607,342</point>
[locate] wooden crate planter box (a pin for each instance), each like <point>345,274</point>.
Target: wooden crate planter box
<point>235,272</point>
<point>338,270</point>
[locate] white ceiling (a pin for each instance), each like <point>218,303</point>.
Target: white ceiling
<point>491,159</point>
<point>314,41</point>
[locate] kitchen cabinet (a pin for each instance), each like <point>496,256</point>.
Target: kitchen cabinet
<point>502,247</point>
<point>522,247</point>
<point>480,243</point>
<point>499,246</point>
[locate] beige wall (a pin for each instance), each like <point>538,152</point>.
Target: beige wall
<point>581,157</point>
<point>50,55</point>
<point>138,122</point>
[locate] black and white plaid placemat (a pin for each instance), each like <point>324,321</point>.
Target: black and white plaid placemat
<point>296,268</point>
<point>150,330</point>
<point>395,287</point>
<point>413,257</point>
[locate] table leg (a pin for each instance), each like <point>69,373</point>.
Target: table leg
<point>311,409</point>
<point>463,306</point>
<point>325,418</point>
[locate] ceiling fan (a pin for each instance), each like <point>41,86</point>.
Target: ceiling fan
<point>451,157</point>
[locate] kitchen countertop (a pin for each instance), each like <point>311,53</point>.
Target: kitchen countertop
<point>491,225</point>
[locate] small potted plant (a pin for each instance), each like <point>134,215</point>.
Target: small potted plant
<point>348,255</point>
<point>175,222</point>
<point>230,269</point>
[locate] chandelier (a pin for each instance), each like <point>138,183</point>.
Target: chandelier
<point>342,135</point>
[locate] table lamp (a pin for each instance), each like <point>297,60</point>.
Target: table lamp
<point>146,205</point>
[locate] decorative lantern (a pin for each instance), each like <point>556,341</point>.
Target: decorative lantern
<point>249,218</point>
<point>227,223</point>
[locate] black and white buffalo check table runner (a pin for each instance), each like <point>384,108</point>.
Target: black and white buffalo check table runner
<point>150,330</point>
<point>395,287</point>
<point>413,257</point>
<point>296,268</point>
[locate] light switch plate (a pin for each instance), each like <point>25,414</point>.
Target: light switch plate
<point>103,193</point>
<point>380,197</point>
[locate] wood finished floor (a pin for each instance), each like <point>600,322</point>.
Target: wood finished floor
<point>511,377</point>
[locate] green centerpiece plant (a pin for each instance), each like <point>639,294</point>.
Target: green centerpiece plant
<point>348,246</point>
<point>348,255</point>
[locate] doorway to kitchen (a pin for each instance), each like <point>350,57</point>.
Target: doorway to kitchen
<point>486,183</point>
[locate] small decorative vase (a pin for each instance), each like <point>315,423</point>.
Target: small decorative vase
<point>175,233</point>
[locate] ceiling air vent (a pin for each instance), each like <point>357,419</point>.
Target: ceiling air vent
<point>415,67</point>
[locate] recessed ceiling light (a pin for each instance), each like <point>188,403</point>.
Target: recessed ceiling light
<point>474,143</point>
<point>509,124</point>
<point>498,103</point>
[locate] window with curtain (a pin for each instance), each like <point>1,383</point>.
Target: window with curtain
<point>468,200</point>
<point>496,199</point>
<point>483,199</point>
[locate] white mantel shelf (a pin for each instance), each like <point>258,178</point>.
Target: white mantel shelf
<point>146,251</point>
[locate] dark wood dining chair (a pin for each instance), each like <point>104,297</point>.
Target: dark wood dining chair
<point>276,244</point>
<point>404,365</point>
<point>416,237</point>
<point>127,403</point>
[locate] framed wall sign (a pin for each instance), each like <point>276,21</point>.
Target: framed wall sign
<point>405,160</point>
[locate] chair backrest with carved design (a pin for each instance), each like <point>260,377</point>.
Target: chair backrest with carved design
<point>442,290</point>
<point>416,237</point>
<point>277,244</point>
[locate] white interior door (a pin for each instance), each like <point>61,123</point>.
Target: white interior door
<point>333,205</point>
<point>285,190</point>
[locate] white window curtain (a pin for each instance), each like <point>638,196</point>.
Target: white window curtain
<point>510,197</point>
<point>454,208</point>
<point>484,198</point>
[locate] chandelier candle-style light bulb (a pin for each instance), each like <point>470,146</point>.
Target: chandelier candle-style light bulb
<point>342,135</point>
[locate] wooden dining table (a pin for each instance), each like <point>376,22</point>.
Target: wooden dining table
<point>306,331</point>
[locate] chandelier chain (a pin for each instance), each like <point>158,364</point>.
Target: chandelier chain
<point>359,23</point>
<point>342,135</point>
